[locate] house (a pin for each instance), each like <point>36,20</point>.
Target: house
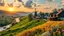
<point>17,20</point>
<point>61,14</point>
<point>57,16</point>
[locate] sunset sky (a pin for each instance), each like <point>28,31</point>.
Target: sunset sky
<point>42,5</point>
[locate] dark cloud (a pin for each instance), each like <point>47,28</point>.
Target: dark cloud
<point>49,0</point>
<point>11,5</point>
<point>28,4</point>
<point>21,1</point>
<point>1,3</point>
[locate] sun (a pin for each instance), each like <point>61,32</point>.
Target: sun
<point>11,9</point>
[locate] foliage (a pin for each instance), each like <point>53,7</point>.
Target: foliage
<point>5,20</point>
<point>41,14</point>
<point>21,26</point>
<point>30,17</point>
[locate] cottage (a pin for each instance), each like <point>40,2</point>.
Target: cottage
<point>61,14</point>
<point>57,16</point>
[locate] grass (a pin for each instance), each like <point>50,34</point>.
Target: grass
<point>21,26</point>
<point>40,29</point>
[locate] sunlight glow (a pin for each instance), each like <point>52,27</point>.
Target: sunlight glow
<point>11,9</point>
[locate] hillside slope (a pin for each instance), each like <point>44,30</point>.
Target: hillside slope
<point>21,26</point>
<point>47,27</point>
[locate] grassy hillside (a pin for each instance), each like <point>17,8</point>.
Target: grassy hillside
<point>21,26</point>
<point>37,31</point>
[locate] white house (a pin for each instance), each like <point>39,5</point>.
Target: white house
<point>17,20</point>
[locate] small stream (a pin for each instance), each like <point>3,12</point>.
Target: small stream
<point>5,27</point>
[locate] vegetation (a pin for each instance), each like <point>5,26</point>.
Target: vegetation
<point>5,20</point>
<point>30,17</point>
<point>27,22</point>
<point>21,26</point>
<point>41,14</point>
<point>50,26</point>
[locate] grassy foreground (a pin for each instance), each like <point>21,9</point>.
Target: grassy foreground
<point>21,26</point>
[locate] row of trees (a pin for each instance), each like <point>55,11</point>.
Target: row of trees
<point>41,15</point>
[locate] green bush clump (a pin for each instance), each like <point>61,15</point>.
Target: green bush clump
<point>5,20</point>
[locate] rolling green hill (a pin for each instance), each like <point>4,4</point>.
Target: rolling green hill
<point>21,26</point>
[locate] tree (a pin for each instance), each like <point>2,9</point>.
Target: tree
<point>41,15</point>
<point>55,11</point>
<point>30,16</point>
<point>5,20</point>
<point>35,14</point>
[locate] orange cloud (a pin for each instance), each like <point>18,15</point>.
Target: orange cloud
<point>41,8</point>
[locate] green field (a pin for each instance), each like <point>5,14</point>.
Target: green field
<point>21,26</point>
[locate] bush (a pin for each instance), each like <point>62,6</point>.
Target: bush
<point>30,17</point>
<point>11,35</point>
<point>5,20</point>
<point>27,33</point>
<point>38,31</point>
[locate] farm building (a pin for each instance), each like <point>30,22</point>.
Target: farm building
<point>58,16</point>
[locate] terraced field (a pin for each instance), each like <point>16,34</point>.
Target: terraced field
<point>21,26</point>
<point>47,27</point>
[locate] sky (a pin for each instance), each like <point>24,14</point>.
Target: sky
<point>42,5</point>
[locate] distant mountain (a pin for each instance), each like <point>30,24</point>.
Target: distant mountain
<point>2,12</point>
<point>20,14</point>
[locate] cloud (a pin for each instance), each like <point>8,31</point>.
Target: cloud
<point>21,1</point>
<point>26,3</point>
<point>1,3</point>
<point>49,0</point>
<point>29,4</point>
